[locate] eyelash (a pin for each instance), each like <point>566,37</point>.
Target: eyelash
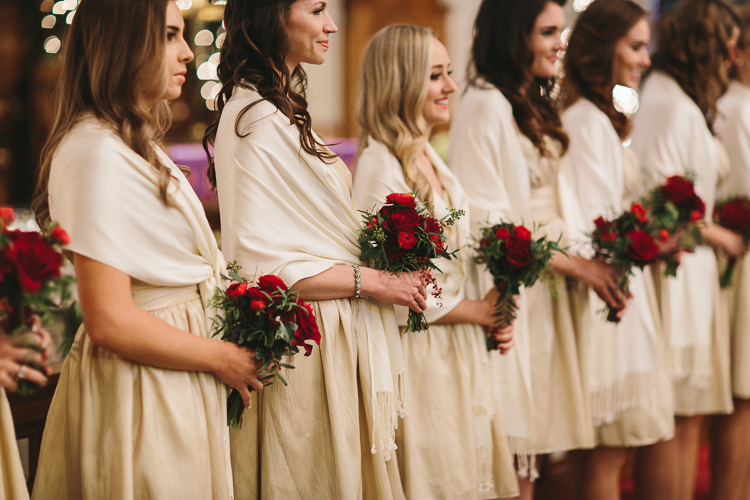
<point>171,36</point>
<point>437,76</point>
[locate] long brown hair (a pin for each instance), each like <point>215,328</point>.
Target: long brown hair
<point>253,56</point>
<point>392,90</point>
<point>112,67</point>
<point>743,13</point>
<point>589,59</point>
<point>693,48</point>
<point>501,57</point>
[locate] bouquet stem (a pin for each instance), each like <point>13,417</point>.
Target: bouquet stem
<point>416,322</point>
<point>672,265</point>
<point>505,311</point>
<point>726,277</point>
<point>235,407</point>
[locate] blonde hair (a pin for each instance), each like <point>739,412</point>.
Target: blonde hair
<point>392,91</point>
<point>112,66</point>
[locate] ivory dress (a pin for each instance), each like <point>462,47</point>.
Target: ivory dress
<point>733,128</point>
<point>630,385</point>
<point>12,480</point>
<point>451,444</point>
<point>541,391</point>
<point>670,137</point>
<point>331,432</point>
<point>117,429</point>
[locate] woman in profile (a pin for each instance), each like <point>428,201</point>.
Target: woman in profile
<point>508,149</point>
<point>287,208</point>
<point>140,408</point>
<point>404,87</point>
<point>630,384</point>
<point>730,454</point>
<point>673,135</point>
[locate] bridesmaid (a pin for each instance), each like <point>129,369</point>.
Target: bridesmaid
<point>508,150</point>
<point>731,455</point>
<point>140,409</point>
<point>404,87</point>
<point>12,369</point>
<point>630,386</point>
<point>287,208</point>
<point>672,134</point>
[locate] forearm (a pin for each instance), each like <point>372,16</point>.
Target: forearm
<point>469,311</point>
<point>566,265</point>
<point>141,337</point>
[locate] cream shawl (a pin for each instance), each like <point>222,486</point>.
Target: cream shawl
<point>626,355</point>
<point>286,212</point>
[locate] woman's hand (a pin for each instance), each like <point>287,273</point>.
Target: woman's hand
<point>670,247</point>
<point>238,368</point>
<point>14,358</point>
<point>504,337</point>
<point>405,290</point>
<point>601,277</point>
<point>724,239</point>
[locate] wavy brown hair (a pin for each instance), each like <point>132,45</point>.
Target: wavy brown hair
<point>501,57</point>
<point>693,48</point>
<point>393,82</point>
<point>253,56</point>
<point>113,68</point>
<point>743,12</point>
<point>589,59</point>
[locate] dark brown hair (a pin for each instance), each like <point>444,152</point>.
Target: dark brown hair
<point>693,48</point>
<point>743,13</point>
<point>253,56</point>
<point>501,57</point>
<point>589,59</point>
<point>113,74</point>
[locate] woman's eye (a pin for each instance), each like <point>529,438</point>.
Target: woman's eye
<point>170,36</point>
<point>435,77</point>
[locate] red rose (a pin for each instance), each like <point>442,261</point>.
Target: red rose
<point>271,283</point>
<point>522,233</point>
<point>696,203</point>
<point>663,235</point>
<point>601,224</point>
<point>393,251</point>
<point>7,215</point>
<point>257,304</point>
<point>735,215</point>
<point>642,248</point>
<point>59,235</point>
<point>638,211</point>
<point>404,221</point>
<point>403,199</point>
<point>236,290</point>
<point>502,234</point>
<point>406,240</point>
<point>437,240</point>
<point>307,329</point>
<point>34,260</point>
<point>696,215</point>
<point>518,251</point>
<point>678,190</point>
<point>609,236</point>
<point>432,226</point>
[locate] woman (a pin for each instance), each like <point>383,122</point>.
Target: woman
<point>631,392</point>
<point>287,208</point>
<point>508,150</point>
<point>672,134</point>
<point>404,87</point>
<point>13,359</point>
<point>730,456</point>
<point>140,408</point>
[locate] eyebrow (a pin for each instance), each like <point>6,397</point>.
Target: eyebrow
<point>170,27</point>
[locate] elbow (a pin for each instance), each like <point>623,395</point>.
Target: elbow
<point>101,331</point>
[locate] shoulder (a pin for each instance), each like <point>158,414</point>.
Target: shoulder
<point>376,159</point>
<point>247,111</point>
<point>486,99</point>
<point>584,112</point>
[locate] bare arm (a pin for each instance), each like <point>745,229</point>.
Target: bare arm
<point>115,323</point>
<point>724,239</point>
<point>338,283</point>
<point>599,276</point>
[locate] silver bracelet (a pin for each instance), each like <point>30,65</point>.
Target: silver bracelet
<point>357,281</point>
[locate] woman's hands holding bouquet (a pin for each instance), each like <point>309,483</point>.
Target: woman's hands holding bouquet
<point>20,351</point>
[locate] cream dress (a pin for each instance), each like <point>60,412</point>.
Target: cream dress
<point>12,480</point>
<point>331,432</point>
<point>451,442</point>
<point>733,128</point>
<point>541,386</point>
<point>631,390</point>
<point>670,137</point>
<point>117,429</point>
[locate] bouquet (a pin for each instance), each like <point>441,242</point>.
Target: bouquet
<point>733,214</point>
<point>267,318</point>
<point>513,259</point>
<point>673,206</point>
<point>30,280</point>
<point>403,237</point>
<point>624,243</point>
